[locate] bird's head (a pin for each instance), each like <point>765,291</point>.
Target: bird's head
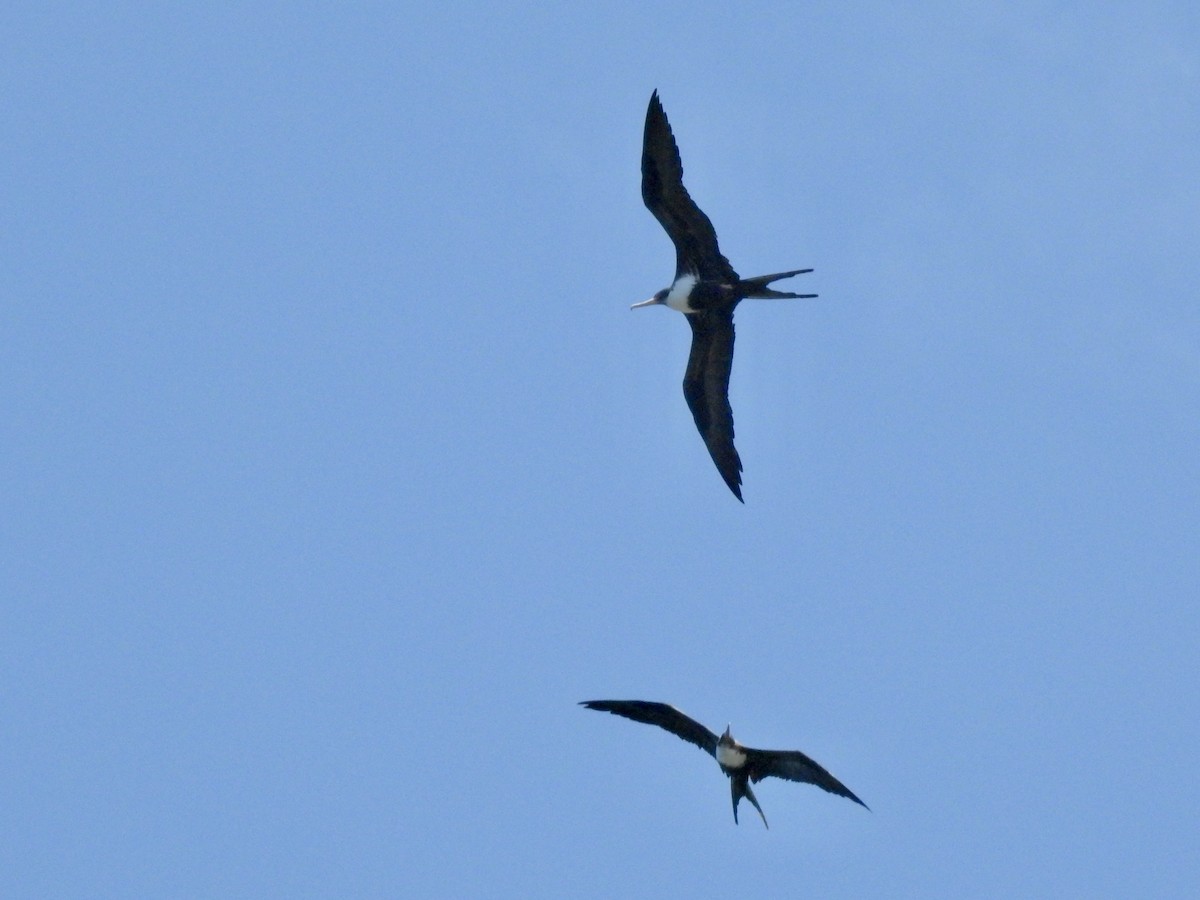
<point>727,738</point>
<point>660,297</point>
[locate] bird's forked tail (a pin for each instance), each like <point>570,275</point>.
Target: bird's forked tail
<point>756,288</point>
<point>739,785</point>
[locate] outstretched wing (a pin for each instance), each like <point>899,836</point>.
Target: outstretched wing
<point>661,714</point>
<point>696,249</point>
<point>794,766</point>
<point>706,388</point>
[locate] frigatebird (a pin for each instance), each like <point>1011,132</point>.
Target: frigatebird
<point>741,763</point>
<point>706,289</point>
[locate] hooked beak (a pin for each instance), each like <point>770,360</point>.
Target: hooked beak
<point>651,302</point>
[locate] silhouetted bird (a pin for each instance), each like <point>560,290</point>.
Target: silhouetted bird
<point>742,764</point>
<point>706,289</point>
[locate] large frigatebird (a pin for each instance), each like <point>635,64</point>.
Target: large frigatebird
<point>706,289</point>
<point>742,764</point>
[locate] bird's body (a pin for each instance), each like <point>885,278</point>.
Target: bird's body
<point>705,289</point>
<point>729,756</point>
<point>741,764</point>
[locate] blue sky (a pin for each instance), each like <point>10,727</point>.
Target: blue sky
<point>336,468</point>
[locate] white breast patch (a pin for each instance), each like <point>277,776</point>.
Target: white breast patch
<point>677,296</point>
<point>730,757</point>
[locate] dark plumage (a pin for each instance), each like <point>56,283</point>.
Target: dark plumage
<point>706,289</point>
<point>742,764</point>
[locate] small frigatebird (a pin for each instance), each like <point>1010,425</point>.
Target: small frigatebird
<point>706,289</point>
<point>742,764</point>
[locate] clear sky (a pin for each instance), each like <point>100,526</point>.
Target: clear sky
<point>336,469</point>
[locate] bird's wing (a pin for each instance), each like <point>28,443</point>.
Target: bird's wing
<point>664,716</point>
<point>794,766</point>
<point>696,249</point>
<point>706,388</point>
